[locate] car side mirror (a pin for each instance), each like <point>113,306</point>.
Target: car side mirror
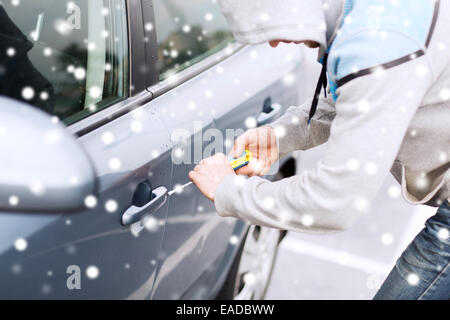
<point>43,168</point>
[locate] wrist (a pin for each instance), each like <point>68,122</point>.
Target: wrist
<point>275,140</point>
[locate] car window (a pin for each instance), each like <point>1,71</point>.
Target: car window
<point>69,58</point>
<point>188,31</point>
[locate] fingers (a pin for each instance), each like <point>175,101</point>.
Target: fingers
<point>193,175</point>
<point>253,168</point>
<point>256,167</point>
<point>240,144</point>
<point>244,171</point>
<point>218,158</point>
<point>266,169</point>
<point>208,174</point>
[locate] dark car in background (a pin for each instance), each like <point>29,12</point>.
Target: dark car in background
<point>112,82</point>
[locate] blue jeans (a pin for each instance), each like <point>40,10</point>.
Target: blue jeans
<point>422,271</point>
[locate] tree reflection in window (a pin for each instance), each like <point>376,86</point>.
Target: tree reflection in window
<point>188,31</point>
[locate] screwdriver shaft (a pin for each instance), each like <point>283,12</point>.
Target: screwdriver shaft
<point>178,189</point>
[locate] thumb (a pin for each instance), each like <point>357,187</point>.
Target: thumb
<point>240,144</point>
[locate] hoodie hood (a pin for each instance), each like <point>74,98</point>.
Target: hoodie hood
<point>258,21</point>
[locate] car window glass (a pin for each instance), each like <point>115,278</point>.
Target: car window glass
<point>188,31</point>
<point>68,58</point>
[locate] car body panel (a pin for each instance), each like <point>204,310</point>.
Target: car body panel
<point>125,256</point>
<point>196,238</point>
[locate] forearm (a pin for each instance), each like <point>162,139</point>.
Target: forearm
<point>302,203</point>
<point>294,132</point>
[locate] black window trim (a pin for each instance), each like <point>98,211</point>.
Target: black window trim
<point>151,42</point>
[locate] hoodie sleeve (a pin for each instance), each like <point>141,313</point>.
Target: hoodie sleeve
<point>297,134</point>
<point>373,113</point>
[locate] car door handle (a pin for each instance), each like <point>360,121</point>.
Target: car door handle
<point>266,117</point>
<point>135,213</point>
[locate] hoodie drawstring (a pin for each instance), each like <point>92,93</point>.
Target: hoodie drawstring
<point>322,83</point>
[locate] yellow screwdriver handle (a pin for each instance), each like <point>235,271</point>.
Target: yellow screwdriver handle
<point>240,161</point>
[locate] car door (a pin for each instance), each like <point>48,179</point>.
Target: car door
<point>98,88</point>
<point>208,94</point>
<point>190,220</point>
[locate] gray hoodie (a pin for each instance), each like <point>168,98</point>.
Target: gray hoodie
<point>388,109</point>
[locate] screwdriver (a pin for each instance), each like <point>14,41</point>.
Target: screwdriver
<point>235,163</point>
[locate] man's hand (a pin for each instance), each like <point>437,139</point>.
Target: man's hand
<point>262,143</point>
<point>208,174</point>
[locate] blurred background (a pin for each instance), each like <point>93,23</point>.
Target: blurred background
<point>352,264</point>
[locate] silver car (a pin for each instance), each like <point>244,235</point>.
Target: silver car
<point>94,96</point>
